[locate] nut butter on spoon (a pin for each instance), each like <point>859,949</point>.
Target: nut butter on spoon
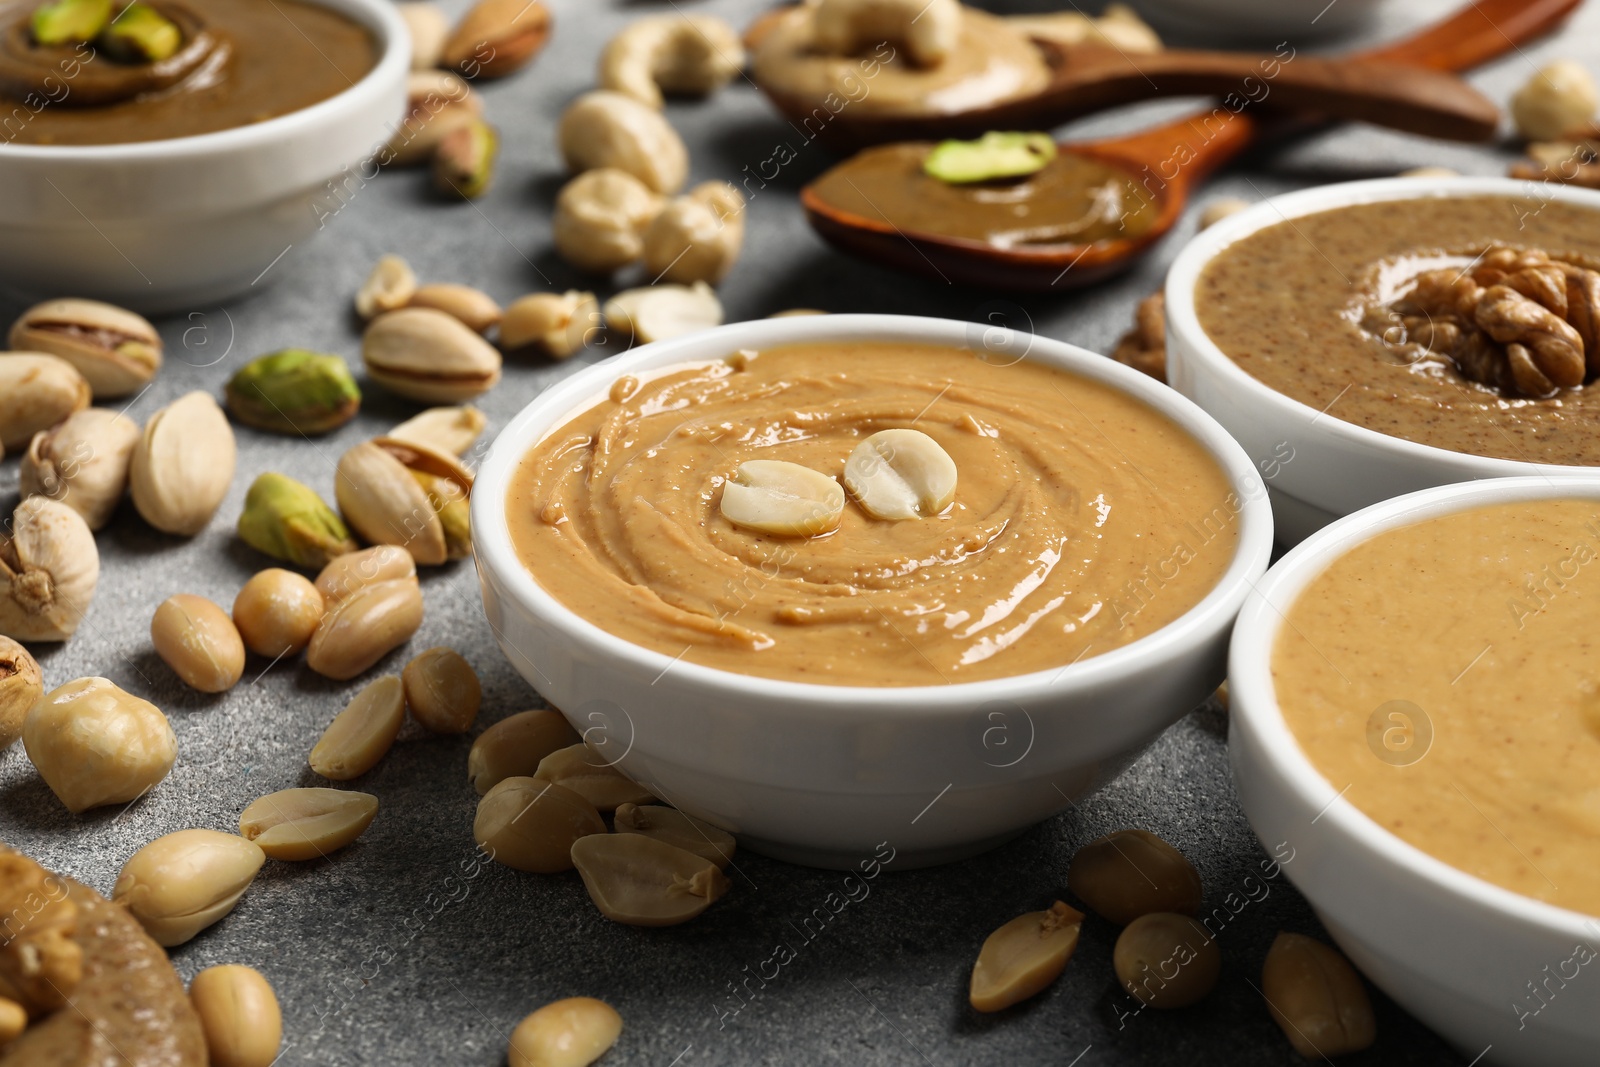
<point>1108,200</point>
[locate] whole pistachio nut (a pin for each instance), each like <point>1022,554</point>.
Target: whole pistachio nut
<point>82,462</point>
<point>66,21</point>
<point>288,520</point>
<point>49,567</point>
<point>497,37</point>
<point>95,744</point>
<point>115,350</point>
<point>463,164</point>
<point>294,391</point>
<point>21,689</point>
<point>452,429</point>
<point>425,354</point>
<point>140,34</point>
<point>183,465</point>
<point>407,494</point>
<point>36,392</point>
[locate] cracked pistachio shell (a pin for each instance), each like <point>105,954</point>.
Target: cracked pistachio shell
<point>115,350</point>
<point>82,462</point>
<point>288,520</point>
<point>49,567</point>
<point>36,392</point>
<point>183,465</point>
<point>21,689</point>
<point>181,883</point>
<point>401,493</point>
<point>95,744</point>
<point>452,430</point>
<point>425,354</point>
<point>295,392</point>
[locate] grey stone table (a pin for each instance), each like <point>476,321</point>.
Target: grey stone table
<point>404,948</point>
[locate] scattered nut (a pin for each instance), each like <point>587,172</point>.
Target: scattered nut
<point>183,465</point>
<point>361,734</point>
<point>425,354</point>
<point>696,238</point>
<point>662,312</point>
<point>677,829</point>
<point>181,883</point>
<point>286,519</point>
<point>928,30</point>
<point>442,691</point>
<point>463,163</point>
<point>116,351</point>
<point>394,492</point>
<point>784,499</point>
<point>349,574</point>
<point>644,882</point>
<point>49,567</point>
<point>900,474</point>
<point>295,392</point>
<point>1316,998</point>
<point>1166,960</point>
<point>558,323</point>
<point>607,129</point>
<point>276,612</point>
<point>1220,208</point>
<point>1144,348</point>
<point>1131,873</point>
<point>1023,957</point>
<point>82,462</point>
<point>38,391</point>
<point>1557,100</point>
<point>198,640</point>
<point>577,768</point>
<point>308,823</point>
<point>238,1010</point>
<point>691,55</point>
<point>475,308</point>
<point>514,747</point>
<point>452,430</point>
<point>567,1033</point>
<point>531,825</point>
<point>429,27</point>
<point>95,744</point>
<point>601,217</point>
<point>389,287</point>
<point>497,37</point>
<point>21,689</point>
<point>364,626</point>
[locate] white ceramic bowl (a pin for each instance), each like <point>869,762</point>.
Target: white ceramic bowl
<point>1253,21</point>
<point>1457,952</point>
<point>1337,467</point>
<point>183,223</point>
<point>823,774</point>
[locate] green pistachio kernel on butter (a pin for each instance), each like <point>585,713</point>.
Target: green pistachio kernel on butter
<point>288,520</point>
<point>994,155</point>
<point>294,391</point>
<point>66,21</point>
<point>141,34</point>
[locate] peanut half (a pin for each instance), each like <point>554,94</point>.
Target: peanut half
<point>1131,873</point>
<point>514,747</point>
<point>578,768</point>
<point>240,1016</point>
<point>181,883</point>
<point>1167,960</point>
<point>361,734</point>
<point>784,499</point>
<point>567,1033</point>
<point>531,825</point>
<point>442,691</point>
<point>1316,998</point>
<point>307,823</point>
<point>900,474</point>
<point>1024,956</point>
<point>676,828</point>
<point>640,881</point>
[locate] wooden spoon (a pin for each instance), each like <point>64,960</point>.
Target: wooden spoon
<point>1168,161</point>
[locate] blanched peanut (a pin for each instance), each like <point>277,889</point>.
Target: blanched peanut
<point>577,768</point>
<point>240,1016</point>
<point>644,882</point>
<point>276,612</point>
<point>514,747</point>
<point>784,499</point>
<point>1131,873</point>
<point>1166,960</point>
<point>181,883</point>
<point>900,474</point>
<point>442,691</point>
<point>531,824</point>
<point>199,641</point>
<point>1024,956</point>
<point>361,734</point>
<point>307,823</point>
<point>678,829</point>
<point>567,1033</point>
<point>1316,998</point>
<point>1555,102</point>
<point>365,626</point>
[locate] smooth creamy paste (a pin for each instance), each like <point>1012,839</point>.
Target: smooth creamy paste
<point>1280,304</point>
<point>1488,621</point>
<point>1082,518</point>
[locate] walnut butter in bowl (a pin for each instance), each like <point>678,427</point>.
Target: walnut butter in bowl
<point>1369,339</point>
<point>836,582</point>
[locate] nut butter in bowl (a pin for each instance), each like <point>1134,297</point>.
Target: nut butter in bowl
<point>1414,715</point>
<point>1369,339</point>
<point>789,573</point>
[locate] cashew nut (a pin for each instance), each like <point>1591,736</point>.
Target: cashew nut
<point>608,129</point>
<point>691,55</point>
<point>659,312</point>
<point>1558,100</point>
<point>558,322</point>
<point>696,238</point>
<point>1119,27</point>
<point>601,217</point>
<point>928,30</point>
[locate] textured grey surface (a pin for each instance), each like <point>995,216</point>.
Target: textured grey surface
<point>404,948</point>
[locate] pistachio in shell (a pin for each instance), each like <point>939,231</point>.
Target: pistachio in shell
<point>183,465</point>
<point>36,392</point>
<point>21,689</point>
<point>82,462</point>
<point>49,567</point>
<point>395,492</point>
<point>294,391</point>
<point>288,520</point>
<point>424,354</point>
<point>115,350</point>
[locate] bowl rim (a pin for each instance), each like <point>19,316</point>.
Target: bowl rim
<point>1255,709</point>
<point>380,17</point>
<point>1184,322</point>
<point>497,561</point>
